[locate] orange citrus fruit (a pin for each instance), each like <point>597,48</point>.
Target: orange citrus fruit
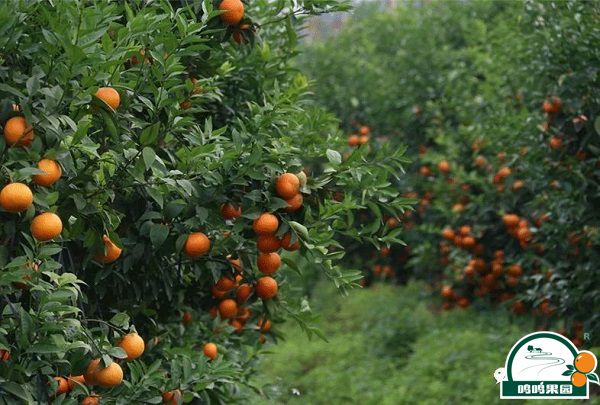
<point>16,197</point>
<point>196,244</point>
<point>268,263</point>
<point>294,203</point>
<point>74,380</point>
<point>265,325</point>
<point>243,292</point>
<point>110,96</point>
<point>63,385</point>
<point>171,397</point>
<point>17,131</point>
<point>353,140</point>
<point>210,350</point>
<point>111,251</point>
<point>268,243</point>
<point>230,211</point>
<point>133,345</point>
<point>225,284</point>
<point>234,11</point>
<point>46,226</point>
<point>52,173</point>
<point>287,245</point>
<point>105,377</point>
<point>287,185</point>
<point>266,288</point>
<point>228,308</point>
<point>91,400</point>
<point>265,224</point>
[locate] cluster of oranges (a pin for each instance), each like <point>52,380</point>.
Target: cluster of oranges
<point>17,197</point>
<point>97,375</point>
<point>362,138</point>
<point>232,292</point>
<point>518,228</point>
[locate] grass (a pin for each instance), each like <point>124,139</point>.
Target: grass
<point>387,347</point>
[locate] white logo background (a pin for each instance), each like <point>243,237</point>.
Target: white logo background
<point>542,359</point>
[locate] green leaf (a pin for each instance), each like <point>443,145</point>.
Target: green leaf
<point>300,229</point>
<point>334,157</point>
<point>597,124</point>
<point>17,390</point>
<point>149,134</point>
<point>149,156</point>
<point>158,234</point>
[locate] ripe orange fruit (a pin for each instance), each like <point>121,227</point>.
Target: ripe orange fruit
<point>265,224</point>
<point>243,314</point>
<point>46,226</point>
<point>105,377</point>
<point>480,161</point>
<point>585,362</point>
<point>353,140</point>
<point>552,105</point>
<point>578,379</point>
<point>17,131</point>
<point>444,166</point>
<point>196,244</point>
<point>4,355</point>
<point>91,400</point>
<point>515,270</point>
<point>16,197</point>
<point>555,142</point>
<point>133,345</point>
<point>425,171</point>
<point>363,139</point>
<point>266,288</point>
<point>228,308</point>
<point>186,318</point>
<point>364,130</point>
<point>504,172</point>
<point>110,96</point>
<point>465,230</point>
<point>448,234</point>
<point>237,325</point>
<point>235,263</point>
<point>518,308</point>
<point>63,385</point>
<point>210,350</point>
<point>217,293</point>
<point>264,326</point>
<point>111,251</point>
<point>268,243</point>
<point>171,397</point>
<point>74,380</point>
<point>234,11</point>
<point>463,302</point>
<point>268,263</point>
<point>517,185</point>
<point>294,203</point>
<point>52,173</point>
<point>243,292</point>
<point>510,220</point>
<point>287,185</point>
<point>225,284</point>
<point>447,292</point>
<point>230,211</point>
<point>287,245</point>
<point>185,105</point>
<point>468,242</point>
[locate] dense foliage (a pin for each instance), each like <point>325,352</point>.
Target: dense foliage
<point>161,130</point>
<point>500,101</point>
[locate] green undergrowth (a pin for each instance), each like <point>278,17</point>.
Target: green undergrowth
<point>387,346</point>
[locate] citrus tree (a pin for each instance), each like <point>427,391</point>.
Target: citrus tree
<point>157,158</point>
<point>499,102</point>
